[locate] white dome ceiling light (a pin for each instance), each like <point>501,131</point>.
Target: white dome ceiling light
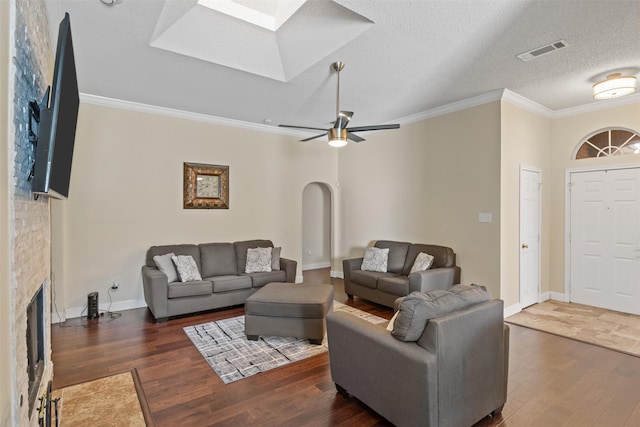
<point>615,85</point>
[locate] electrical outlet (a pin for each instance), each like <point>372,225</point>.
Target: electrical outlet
<point>115,285</point>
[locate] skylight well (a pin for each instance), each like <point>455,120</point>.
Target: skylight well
<point>269,14</point>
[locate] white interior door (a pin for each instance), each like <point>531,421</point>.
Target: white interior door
<point>605,239</point>
<point>530,187</point>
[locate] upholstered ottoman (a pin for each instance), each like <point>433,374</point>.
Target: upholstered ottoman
<point>288,310</point>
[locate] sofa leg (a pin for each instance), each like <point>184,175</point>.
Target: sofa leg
<point>316,342</point>
<point>350,296</point>
<point>253,337</point>
<point>161,319</point>
<point>496,412</point>
<point>343,392</point>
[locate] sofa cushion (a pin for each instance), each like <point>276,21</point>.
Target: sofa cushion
<point>217,259</point>
<point>368,279</point>
<point>442,256</point>
<point>192,250</point>
<point>229,283</point>
<point>262,278</point>
<point>165,264</point>
<point>258,260</point>
<point>189,289</point>
<point>375,259</point>
<point>397,254</point>
<point>398,285</point>
<point>417,308</point>
<point>241,251</point>
<point>423,262</point>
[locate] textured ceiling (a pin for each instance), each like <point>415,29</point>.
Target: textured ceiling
<point>402,57</point>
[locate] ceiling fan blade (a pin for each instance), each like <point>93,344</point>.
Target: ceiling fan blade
<point>302,127</point>
<point>313,137</point>
<point>373,127</point>
<point>355,138</point>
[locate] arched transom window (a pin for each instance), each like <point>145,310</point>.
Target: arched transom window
<point>610,142</point>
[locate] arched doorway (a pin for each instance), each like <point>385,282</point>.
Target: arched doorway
<point>316,226</point>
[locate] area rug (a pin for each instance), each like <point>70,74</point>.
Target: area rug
<point>109,401</point>
<point>605,328</point>
<point>232,356</point>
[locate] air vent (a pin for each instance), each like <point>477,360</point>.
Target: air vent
<point>543,50</point>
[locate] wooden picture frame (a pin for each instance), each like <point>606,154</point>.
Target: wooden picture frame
<point>205,186</point>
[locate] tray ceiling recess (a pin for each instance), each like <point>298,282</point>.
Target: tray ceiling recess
<point>278,39</point>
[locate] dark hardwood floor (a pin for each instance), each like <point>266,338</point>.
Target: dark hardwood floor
<point>553,381</point>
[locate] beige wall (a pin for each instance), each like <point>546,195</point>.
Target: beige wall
<point>6,309</point>
<point>426,183</point>
<point>126,195</point>
<point>566,135</point>
<point>526,139</point>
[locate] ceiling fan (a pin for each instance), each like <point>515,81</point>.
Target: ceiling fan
<point>340,133</point>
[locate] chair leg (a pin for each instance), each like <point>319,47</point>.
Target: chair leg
<point>342,391</point>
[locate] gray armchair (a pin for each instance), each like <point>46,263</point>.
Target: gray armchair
<point>455,374</point>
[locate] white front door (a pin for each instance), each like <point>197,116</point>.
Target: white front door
<point>605,239</point>
<point>530,186</point>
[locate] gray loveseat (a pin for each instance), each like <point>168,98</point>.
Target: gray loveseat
<point>451,372</point>
<point>385,288</point>
<point>224,281</point>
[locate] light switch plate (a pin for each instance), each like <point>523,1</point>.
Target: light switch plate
<point>485,217</point>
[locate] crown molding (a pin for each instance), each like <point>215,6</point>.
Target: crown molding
<point>181,114</point>
<point>497,95</point>
<point>597,106</point>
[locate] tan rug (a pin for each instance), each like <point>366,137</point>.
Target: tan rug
<point>117,400</point>
<point>604,328</point>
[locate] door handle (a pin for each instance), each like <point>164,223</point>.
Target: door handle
<point>525,246</point>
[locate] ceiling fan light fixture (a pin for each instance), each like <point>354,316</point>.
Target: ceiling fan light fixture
<point>337,137</point>
<point>614,86</point>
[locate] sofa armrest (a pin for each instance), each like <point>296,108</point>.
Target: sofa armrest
<point>381,371</point>
<point>349,265</point>
<point>437,278</point>
<point>289,266</point>
<point>156,293</point>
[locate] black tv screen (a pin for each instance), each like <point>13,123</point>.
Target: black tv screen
<point>57,129</point>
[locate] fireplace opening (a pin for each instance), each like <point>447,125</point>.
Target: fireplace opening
<point>35,345</point>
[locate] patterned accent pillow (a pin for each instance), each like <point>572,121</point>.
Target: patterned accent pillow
<point>423,262</point>
<point>375,259</point>
<point>275,258</point>
<point>187,268</point>
<point>258,259</point>
<point>165,264</point>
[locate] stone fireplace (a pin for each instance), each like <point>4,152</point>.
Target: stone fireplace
<point>29,228</point>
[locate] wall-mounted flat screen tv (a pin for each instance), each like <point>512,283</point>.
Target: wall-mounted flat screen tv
<point>57,128</point>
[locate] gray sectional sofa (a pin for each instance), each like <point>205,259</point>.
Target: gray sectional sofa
<point>224,281</point>
<point>385,287</point>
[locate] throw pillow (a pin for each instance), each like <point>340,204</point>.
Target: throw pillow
<point>187,268</point>
<point>375,259</point>
<point>165,264</point>
<point>417,308</point>
<point>275,258</point>
<point>258,259</point>
<point>423,262</point>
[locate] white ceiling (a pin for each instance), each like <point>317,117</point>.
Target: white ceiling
<point>402,57</point>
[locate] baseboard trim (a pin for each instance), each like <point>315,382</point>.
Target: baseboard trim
<point>299,278</point>
<point>512,309</point>
<point>559,296</point>
<point>74,312</point>
<point>316,265</point>
<point>337,274</point>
